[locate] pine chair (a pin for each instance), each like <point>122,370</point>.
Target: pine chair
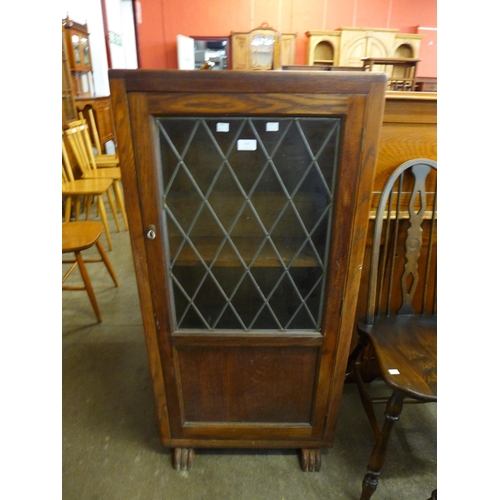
<point>79,140</point>
<point>73,190</point>
<point>79,236</point>
<point>102,160</point>
<point>401,326</point>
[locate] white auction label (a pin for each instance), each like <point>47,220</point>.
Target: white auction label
<point>247,145</point>
<point>272,126</point>
<point>222,127</point>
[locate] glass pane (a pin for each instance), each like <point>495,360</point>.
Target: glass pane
<point>262,51</point>
<point>248,205</point>
<point>76,48</point>
<point>86,51</point>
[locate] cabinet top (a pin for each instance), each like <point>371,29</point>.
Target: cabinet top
<point>337,32</point>
<point>280,82</point>
<point>70,24</point>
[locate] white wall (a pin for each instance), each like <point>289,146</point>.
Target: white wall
<point>89,11</point>
<point>120,20</point>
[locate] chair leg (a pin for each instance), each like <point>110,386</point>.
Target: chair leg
<point>121,203</point>
<point>106,261</point>
<point>377,458</point>
<point>113,208</point>
<point>88,285</point>
<point>77,208</point>
<point>67,212</point>
<point>88,204</point>
<point>104,218</point>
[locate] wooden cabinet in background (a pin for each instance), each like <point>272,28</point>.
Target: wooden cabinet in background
<point>68,98</point>
<point>263,48</point>
<point>288,48</point>
<point>323,48</point>
<point>101,107</point>
<point>79,57</point>
<point>248,200</point>
<point>347,46</point>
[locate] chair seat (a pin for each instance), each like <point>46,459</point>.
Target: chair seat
<point>105,173</point>
<point>86,186</point>
<point>80,235</point>
<point>407,344</point>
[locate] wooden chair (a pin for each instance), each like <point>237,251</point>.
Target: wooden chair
<point>79,140</point>
<point>79,236</point>
<point>73,190</point>
<point>102,160</point>
<point>401,327</point>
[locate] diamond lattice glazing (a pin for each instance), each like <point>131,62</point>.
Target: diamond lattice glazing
<point>248,205</point>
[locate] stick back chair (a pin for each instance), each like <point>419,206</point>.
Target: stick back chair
<point>79,140</point>
<point>77,237</point>
<point>401,318</point>
<point>102,159</point>
<point>73,190</point>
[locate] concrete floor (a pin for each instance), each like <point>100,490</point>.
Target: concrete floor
<point>111,446</point>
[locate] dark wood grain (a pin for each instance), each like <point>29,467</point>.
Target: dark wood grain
<point>244,81</point>
<point>129,180</point>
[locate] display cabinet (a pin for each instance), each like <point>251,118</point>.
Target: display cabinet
<point>263,48</point>
<point>346,46</point>
<point>248,196</point>
<point>80,61</point>
<point>68,99</point>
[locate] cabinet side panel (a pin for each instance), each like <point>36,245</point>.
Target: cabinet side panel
<point>129,180</point>
<point>373,123</point>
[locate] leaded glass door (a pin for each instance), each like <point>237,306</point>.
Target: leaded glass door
<point>248,204</point>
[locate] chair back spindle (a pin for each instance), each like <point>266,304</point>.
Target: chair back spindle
<point>95,133</point>
<point>79,139</point>
<point>67,171</point>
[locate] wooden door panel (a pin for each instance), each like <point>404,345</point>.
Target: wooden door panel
<point>247,384</point>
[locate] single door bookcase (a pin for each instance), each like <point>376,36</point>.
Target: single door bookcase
<point>248,198</point>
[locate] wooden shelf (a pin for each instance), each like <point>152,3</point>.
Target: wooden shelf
<point>247,247</point>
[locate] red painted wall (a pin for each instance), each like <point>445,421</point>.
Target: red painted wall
<point>162,20</point>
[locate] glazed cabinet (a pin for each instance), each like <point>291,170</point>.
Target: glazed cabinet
<point>80,61</point>
<point>249,197</point>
